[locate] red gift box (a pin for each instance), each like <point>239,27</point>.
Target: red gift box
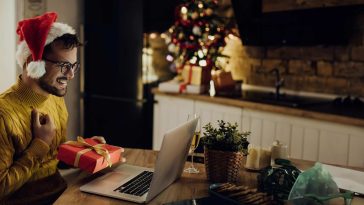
<point>89,154</point>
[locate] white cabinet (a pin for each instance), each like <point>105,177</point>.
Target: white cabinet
<point>169,112</point>
<point>307,139</point>
<point>210,112</point>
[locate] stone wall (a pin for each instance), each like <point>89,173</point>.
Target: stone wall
<point>330,69</point>
<point>334,70</point>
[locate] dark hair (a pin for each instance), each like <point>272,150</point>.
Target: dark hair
<point>69,41</point>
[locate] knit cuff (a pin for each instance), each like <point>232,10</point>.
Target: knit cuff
<point>38,148</point>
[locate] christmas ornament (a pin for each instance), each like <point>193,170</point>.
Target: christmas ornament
<point>194,15</point>
<point>209,12</point>
<point>181,36</point>
<point>171,48</point>
<point>196,30</point>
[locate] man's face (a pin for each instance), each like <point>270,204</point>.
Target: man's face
<point>54,81</point>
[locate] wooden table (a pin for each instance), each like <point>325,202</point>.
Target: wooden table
<point>187,187</point>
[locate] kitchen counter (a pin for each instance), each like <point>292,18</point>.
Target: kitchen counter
<point>320,111</point>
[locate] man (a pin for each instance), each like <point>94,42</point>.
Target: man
<point>33,115</point>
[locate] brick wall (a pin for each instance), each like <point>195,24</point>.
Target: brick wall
<point>322,69</point>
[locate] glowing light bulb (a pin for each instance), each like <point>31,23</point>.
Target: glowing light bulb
<point>169,58</point>
<point>163,35</point>
<point>184,10</point>
<point>200,54</point>
<point>193,60</point>
<point>202,63</point>
<point>152,35</point>
<point>211,38</point>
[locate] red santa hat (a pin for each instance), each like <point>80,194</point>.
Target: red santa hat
<point>34,34</point>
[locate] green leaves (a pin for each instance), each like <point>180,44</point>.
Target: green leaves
<point>226,137</point>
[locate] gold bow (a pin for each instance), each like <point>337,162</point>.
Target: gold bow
<point>97,148</point>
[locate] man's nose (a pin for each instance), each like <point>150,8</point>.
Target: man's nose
<point>70,74</point>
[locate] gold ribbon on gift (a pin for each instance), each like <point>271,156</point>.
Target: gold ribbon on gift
<point>88,147</point>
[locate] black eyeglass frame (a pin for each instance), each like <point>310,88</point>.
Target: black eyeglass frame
<point>65,66</point>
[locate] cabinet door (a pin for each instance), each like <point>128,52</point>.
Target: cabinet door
<point>307,139</point>
<point>356,151</point>
<point>210,112</point>
<point>169,112</point>
<point>266,127</point>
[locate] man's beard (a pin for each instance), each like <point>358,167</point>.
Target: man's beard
<point>51,89</point>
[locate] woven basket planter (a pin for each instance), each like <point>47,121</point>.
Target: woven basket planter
<point>222,166</point>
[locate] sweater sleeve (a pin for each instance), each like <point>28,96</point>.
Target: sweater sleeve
<point>15,173</point>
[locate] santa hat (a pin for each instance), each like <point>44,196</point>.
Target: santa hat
<point>34,34</point>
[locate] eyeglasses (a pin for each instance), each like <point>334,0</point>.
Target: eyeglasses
<point>65,66</point>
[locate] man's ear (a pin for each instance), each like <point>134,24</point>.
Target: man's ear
<point>29,59</point>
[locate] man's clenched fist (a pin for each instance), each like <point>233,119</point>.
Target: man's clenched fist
<point>43,127</point>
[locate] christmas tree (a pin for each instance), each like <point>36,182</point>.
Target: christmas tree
<point>197,36</point>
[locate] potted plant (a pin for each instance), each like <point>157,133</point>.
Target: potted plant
<point>224,149</point>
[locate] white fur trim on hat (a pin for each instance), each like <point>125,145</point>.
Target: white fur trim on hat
<point>57,30</point>
<point>23,51</point>
<point>36,69</point>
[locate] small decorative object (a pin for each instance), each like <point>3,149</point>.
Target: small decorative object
<point>278,181</point>
<point>225,148</point>
<point>233,194</point>
<point>212,90</point>
<point>224,83</point>
<point>258,158</point>
<point>91,154</point>
<point>195,75</point>
<point>196,30</point>
<point>194,15</point>
<point>194,144</point>
<point>279,151</point>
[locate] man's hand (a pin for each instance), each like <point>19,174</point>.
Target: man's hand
<point>43,127</point>
<point>122,159</point>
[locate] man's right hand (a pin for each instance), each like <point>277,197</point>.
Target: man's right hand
<point>43,127</point>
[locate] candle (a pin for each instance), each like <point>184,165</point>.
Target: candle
<point>252,158</point>
<point>258,158</point>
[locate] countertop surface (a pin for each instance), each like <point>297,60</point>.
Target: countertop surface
<point>337,111</point>
<point>187,187</point>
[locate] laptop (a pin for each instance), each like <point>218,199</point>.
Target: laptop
<point>141,184</point>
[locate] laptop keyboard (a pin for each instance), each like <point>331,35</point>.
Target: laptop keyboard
<point>138,185</point>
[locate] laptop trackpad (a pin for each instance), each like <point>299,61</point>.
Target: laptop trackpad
<point>116,176</point>
<point>111,180</point>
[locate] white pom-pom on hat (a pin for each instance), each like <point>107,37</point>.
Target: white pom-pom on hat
<point>36,69</point>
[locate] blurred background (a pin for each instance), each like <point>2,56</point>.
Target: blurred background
<point>317,47</point>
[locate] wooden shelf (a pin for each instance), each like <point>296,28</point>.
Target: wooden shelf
<point>289,5</point>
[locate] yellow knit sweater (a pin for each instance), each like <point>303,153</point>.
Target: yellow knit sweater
<point>24,158</point>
